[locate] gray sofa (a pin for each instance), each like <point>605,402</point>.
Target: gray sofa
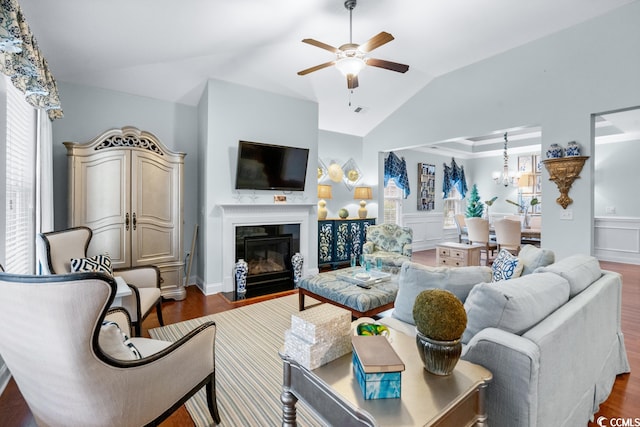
<point>551,338</point>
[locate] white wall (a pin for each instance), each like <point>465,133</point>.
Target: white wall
<point>616,179</point>
<point>556,82</point>
<point>232,113</point>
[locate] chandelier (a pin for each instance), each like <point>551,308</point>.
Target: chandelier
<point>505,177</point>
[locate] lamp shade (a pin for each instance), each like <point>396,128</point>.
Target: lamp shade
<point>324,191</point>
<point>362,193</point>
<point>526,180</point>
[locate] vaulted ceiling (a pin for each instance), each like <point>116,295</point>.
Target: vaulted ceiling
<point>167,49</point>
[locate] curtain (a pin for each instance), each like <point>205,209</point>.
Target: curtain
<point>21,59</point>
<point>44,183</point>
<point>396,168</point>
<point>454,177</point>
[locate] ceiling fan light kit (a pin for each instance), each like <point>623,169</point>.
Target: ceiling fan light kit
<point>351,58</point>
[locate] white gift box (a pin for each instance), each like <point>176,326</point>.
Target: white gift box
<point>321,323</point>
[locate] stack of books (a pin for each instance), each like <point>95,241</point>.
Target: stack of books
<point>377,367</point>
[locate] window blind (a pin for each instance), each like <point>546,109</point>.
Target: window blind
<point>20,184</point>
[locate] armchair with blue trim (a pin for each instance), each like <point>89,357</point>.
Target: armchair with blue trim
<point>389,242</point>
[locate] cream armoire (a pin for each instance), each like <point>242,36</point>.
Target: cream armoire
<point>128,188</point>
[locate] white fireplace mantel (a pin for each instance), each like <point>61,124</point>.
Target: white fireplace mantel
<point>256,214</point>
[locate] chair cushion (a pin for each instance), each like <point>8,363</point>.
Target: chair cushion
<point>115,343</point>
<point>532,257</point>
<point>97,263</point>
<point>514,305</point>
<point>506,266</point>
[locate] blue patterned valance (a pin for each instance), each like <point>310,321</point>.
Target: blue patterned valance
<point>454,177</point>
<point>396,168</point>
<point>21,59</point>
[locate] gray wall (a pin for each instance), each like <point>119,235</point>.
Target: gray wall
<point>232,113</point>
<point>557,82</point>
<point>90,111</point>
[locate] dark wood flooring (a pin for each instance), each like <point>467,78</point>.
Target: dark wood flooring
<point>624,401</point>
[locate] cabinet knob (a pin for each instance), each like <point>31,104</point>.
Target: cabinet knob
<point>126,221</point>
<point>135,221</point>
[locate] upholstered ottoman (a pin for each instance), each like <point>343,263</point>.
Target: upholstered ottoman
<point>329,287</point>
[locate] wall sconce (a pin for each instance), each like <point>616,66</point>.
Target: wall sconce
<point>563,171</point>
<point>324,192</point>
<point>362,194</point>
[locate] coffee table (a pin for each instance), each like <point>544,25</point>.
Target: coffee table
<point>333,393</point>
<point>328,287</point>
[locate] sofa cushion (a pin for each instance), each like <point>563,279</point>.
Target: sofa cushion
<point>532,257</point>
<point>514,305</point>
<point>415,278</point>
<point>580,271</point>
<point>506,266</point>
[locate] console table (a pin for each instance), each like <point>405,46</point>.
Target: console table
<point>458,254</point>
<point>338,239</point>
<point>333,393</point>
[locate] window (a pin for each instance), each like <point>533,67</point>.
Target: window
<point>19,183</point>
<point>392,203</point>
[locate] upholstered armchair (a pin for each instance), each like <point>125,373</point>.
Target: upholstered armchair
<point>59,247</point>
<point>74,369</point>
<point>391,243</point>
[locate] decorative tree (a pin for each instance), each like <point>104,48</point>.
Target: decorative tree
<point>475,208</point>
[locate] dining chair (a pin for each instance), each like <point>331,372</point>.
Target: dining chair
<point>508,235</point>
<point>478,230</point>
<point>461,226</point>
<point>57,248</point>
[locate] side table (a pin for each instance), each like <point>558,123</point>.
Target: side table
<point>458,254</point>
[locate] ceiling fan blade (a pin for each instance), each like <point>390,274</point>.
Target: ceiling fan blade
<point>321,45</point>
<point>316,68</point>
<point>393,66</point>
<point>375,42</point>
<point>352,81</point>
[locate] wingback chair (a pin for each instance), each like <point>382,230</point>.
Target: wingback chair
<point>390,242</point>
<point>75,370</point>
<point>59,247</point>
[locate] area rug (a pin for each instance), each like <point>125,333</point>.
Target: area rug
<point>248,367</point>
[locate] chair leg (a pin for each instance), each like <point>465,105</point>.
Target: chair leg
<point>212,402</point>
<point>159,312</point>
<point>136,328</point>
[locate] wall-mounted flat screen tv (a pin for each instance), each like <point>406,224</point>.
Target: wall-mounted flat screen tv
<point>271,167</point>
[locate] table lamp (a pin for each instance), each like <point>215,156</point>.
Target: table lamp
<point>324,192</point>
<point>362,194</point>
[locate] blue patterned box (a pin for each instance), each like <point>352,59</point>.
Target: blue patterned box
<point>384,385</point>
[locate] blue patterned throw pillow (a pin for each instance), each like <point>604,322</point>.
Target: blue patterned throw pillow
<point>506,266</point>
<point>98,263</point>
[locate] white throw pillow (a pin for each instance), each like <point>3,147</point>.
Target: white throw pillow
<point>116,343</point>
<point>506,266</point>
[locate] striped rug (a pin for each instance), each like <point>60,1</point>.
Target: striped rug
<point>248,368</point>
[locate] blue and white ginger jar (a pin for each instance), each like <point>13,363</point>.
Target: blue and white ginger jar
<point>573,149</point>
<point>555,151</point>
<point>241,271</point>
<point>296,262</point>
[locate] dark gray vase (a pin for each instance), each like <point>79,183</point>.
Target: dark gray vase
<point>438,357</point>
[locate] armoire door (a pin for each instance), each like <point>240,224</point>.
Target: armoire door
<point>156,200</point>
<point>102,202</point>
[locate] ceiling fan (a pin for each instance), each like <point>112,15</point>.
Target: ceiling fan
<point>351,58</point>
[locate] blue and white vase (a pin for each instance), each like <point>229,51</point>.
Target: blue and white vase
<point>555,151</point>
<point>241,270</point>
<point>296,262</point>
<point>573,149</point>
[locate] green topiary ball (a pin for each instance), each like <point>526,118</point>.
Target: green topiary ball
<point>343,213</point>
<point>439,315</point>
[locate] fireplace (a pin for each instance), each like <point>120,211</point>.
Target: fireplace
<point>268,249</point>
